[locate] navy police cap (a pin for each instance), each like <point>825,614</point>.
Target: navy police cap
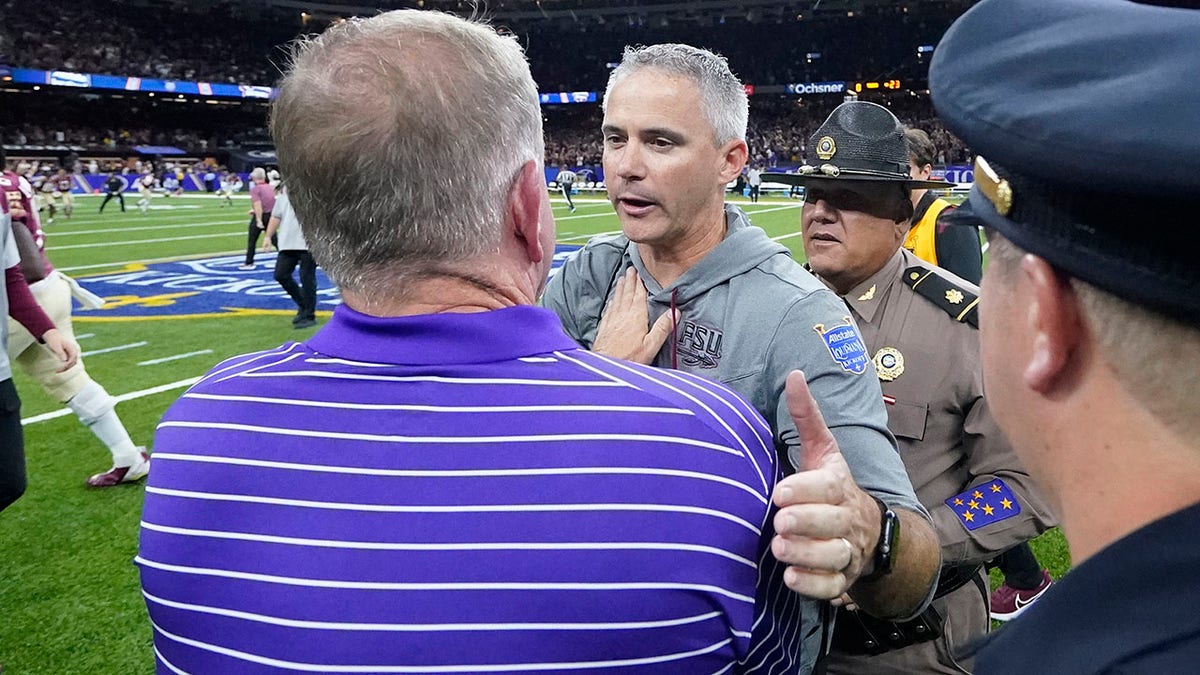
<point>1085,115</point>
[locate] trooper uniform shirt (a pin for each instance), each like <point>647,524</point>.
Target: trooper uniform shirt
<point>918,324</point>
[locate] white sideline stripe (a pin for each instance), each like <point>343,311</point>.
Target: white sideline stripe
<point>586,215</point>
<point>786,236</point>
<point>435,408</point>
<point>118,348</point>
<point>444,586</point>
<point>174,358</point>
<point>785,207</point>
<point>123,397</point>
<point>462,473</point>
<point>151,241</point>
<point>85,336</point>
<point>422,627</point>
<point>174,258</point>
<point>458,508</point>
<point>127,230</point>
<point>463,668</point>
<point>477,546</point>
<point>588,236</point>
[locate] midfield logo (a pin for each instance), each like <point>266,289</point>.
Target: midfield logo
<point>209,287</point>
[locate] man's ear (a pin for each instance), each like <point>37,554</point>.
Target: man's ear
<point>1055,322</point>
<point>525,209</point>
<point>733,156</point>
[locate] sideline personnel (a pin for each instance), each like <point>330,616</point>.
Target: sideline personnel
<point>919,324</point>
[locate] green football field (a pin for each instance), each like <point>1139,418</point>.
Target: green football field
<point>69,597</point>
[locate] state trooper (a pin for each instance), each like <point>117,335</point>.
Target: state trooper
<point>919,325</point>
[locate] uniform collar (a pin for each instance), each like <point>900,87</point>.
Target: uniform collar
<point>438,339</point>
<point>866,298</point>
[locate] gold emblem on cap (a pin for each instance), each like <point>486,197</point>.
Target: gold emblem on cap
<point>954,296</point>
<point>996,189</point>
<point>869,294</point>
<point>889,363</point>
<point>826,147</point>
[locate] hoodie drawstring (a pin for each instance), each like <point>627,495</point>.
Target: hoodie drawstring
<point>674,332</point>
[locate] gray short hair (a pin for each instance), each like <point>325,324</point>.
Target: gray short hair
<point>401,136</point>
<point>258,174</point>
<point>722,95</point>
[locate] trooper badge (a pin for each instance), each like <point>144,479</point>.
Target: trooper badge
<point>889,363</point>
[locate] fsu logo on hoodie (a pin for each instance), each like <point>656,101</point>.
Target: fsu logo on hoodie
<point>699,346</point>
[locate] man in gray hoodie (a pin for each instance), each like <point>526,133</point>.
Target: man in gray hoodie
<point>738,309</point>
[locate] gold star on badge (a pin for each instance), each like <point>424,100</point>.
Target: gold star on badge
<point>869,294</point>
<point>973,504</point>
<point>958,502</point>
<point>987,509</point>
<point>1006,504</point>
<point>977,495</point>
<point>968,516</point>
<point>995,488</point>
<point>954,296</point>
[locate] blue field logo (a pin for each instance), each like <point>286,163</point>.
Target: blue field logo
<point>208,288</point>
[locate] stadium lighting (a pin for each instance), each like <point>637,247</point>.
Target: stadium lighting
<point>37,88</point>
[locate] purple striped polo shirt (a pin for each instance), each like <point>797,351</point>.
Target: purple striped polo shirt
<point>461,493</point>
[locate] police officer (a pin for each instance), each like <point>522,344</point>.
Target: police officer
<point>919,325</point>
<point>1088,182</point>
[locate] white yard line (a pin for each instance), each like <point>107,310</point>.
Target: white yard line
<point>149,241</point>
<point>786,236</point>
<point>118,348</point>
<point>164,359</point>
<point>55,234</point>
<point>62,412</point>
<point>587,236</point>
<point>85,336</point>
<point>174,258</point>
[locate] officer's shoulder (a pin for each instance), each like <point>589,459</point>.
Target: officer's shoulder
<point>952,294</point>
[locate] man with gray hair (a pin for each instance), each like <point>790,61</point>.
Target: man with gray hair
<point>731,304</point>
<point>440,480</point>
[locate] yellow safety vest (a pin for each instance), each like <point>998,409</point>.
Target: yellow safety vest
<point>922,237</point>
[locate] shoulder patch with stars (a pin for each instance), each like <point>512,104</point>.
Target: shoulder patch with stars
<point>959,303</point>
<point>984,504</point>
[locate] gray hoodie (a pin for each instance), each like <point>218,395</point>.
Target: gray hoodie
<point>750,315</point>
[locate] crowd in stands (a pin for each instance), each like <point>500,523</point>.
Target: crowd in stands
<point>765,46</point>
<point>118,38</point>
<point>777,135</point>
<point>209,43</point>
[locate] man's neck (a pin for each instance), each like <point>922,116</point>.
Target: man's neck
<point>443,292</point>
<point>667,262</point>
<point>1126,470</point>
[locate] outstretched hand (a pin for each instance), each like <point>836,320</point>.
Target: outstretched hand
<point>826,527</point>
<point>623,331</point>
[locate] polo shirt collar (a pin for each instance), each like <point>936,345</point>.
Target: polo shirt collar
<point>447,338</point>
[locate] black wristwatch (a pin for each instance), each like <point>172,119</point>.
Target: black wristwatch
<point>885,549</point>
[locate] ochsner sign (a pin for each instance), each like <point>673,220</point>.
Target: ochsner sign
<point>817,88</point>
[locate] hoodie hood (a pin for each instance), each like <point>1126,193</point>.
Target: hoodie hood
<point>744,247</point>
